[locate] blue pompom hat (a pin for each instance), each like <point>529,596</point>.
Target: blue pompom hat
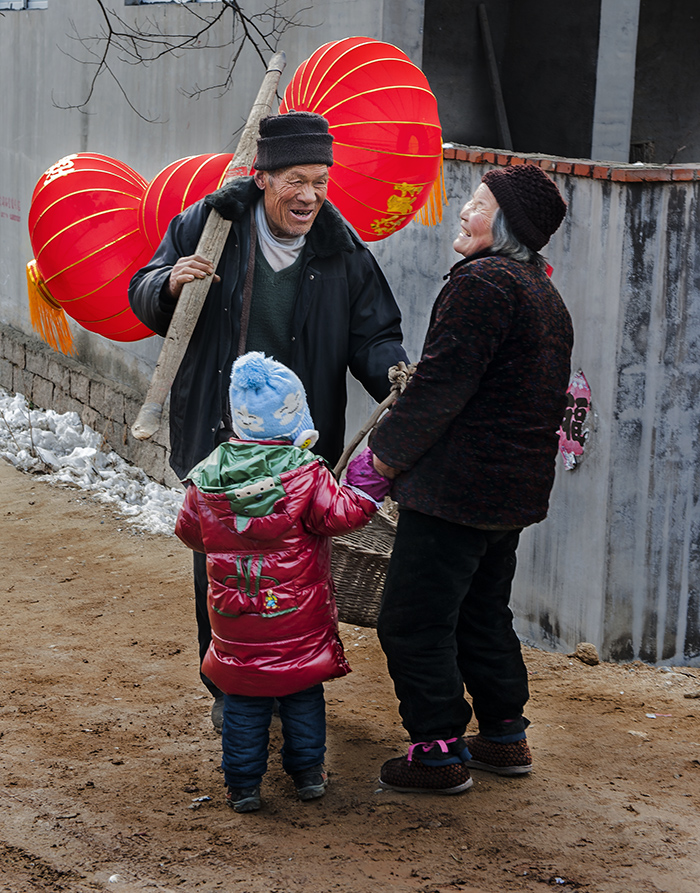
<point>268,402</point>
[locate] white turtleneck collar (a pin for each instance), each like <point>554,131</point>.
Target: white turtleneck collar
<point>279,253</point>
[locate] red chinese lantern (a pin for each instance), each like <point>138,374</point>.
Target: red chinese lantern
<point>83,226</point>
<point>387,147</point>
<point>177,187</point>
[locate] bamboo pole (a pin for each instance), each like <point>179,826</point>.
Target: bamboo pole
<point>211,246</point>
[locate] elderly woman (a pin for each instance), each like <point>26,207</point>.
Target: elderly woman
<point>472,444</point>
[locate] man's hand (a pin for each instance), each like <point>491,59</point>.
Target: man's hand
<point>186,270</point>
<point>385,470</point>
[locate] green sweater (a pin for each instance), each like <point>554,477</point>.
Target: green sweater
<point>271,308</point>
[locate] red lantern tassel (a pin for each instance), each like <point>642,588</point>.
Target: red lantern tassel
<point>431,212</point>
<point>46,315</point>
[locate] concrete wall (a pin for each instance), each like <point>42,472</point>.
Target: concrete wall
<point>615,80</point>
<point>616,563</point>
<point>618,555</point>
<point>614,92</point>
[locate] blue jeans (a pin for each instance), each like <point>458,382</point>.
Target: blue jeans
<point>445,624</point>
<point>246,734</point>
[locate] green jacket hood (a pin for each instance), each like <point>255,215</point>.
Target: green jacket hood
<point>249,473</point>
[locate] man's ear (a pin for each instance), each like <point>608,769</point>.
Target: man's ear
<point>260,179</point>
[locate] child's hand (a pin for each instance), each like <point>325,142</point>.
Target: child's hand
<point>362,475</point>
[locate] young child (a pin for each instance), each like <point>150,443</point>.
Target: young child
<point>263,508</point>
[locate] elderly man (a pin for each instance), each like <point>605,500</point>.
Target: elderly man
<point>294,281</point>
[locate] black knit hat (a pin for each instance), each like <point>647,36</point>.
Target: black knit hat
<point>530,201</point>
<point>293,138</point>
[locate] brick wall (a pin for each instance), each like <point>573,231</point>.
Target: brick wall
<point>619,173</point>
<point>54,381</point>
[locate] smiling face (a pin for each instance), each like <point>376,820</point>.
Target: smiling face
<point>476,219</point>
<point>293,197</point>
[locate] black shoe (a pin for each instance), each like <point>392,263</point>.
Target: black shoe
<point>513,758</point>
<point>310,783</point>
<point>244,799</point>
<point>434,767</point>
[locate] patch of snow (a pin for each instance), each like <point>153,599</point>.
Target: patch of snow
<point>60,449</point>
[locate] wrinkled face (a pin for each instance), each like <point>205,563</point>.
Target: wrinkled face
<point>293,197</point>
<point>476,218</point>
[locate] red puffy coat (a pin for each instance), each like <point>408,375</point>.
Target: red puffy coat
<point>263,514</point>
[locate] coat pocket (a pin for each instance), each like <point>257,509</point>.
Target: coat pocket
<point>250,590</point>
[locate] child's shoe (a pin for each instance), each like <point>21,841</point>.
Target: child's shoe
<point>311,783</point>
<point>434,767</point>
<point>512,758</point>
<point>244,799</point>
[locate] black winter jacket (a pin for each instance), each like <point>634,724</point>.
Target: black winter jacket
<point>475,432</point>
<point>345,317</point>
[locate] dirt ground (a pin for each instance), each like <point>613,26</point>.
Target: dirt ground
<point>110,767</point>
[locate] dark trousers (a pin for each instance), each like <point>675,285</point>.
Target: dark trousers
<point>445,624</point>
<point>246,734</point>
<point>200,605</point>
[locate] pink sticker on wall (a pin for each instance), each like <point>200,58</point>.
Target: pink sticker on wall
<point>574,430</point>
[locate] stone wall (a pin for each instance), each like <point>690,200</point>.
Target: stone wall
<point>51,380</point>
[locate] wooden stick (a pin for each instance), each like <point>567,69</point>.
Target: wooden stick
<point>211,246</point>
<point>399,376</point>
<point>364,430</point>
<point>501,117</point>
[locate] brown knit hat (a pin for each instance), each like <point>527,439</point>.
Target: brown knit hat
<point>293,138</point>
<point>530,201</point>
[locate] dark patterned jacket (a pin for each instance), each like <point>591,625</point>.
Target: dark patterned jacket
<point>475,432</point>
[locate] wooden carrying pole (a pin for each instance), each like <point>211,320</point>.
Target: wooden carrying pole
<point>211,245</point>
<point>399,376</point>
<point>363,432</point>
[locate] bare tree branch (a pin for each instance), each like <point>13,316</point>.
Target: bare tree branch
<point>119,42</point>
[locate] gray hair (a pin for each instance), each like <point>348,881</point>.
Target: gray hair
<point>507,244</point>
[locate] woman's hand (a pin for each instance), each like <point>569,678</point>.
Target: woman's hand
<point>386,470</point>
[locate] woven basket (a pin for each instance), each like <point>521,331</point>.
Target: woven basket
<point>360,558</point>
<point>359,562</point>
